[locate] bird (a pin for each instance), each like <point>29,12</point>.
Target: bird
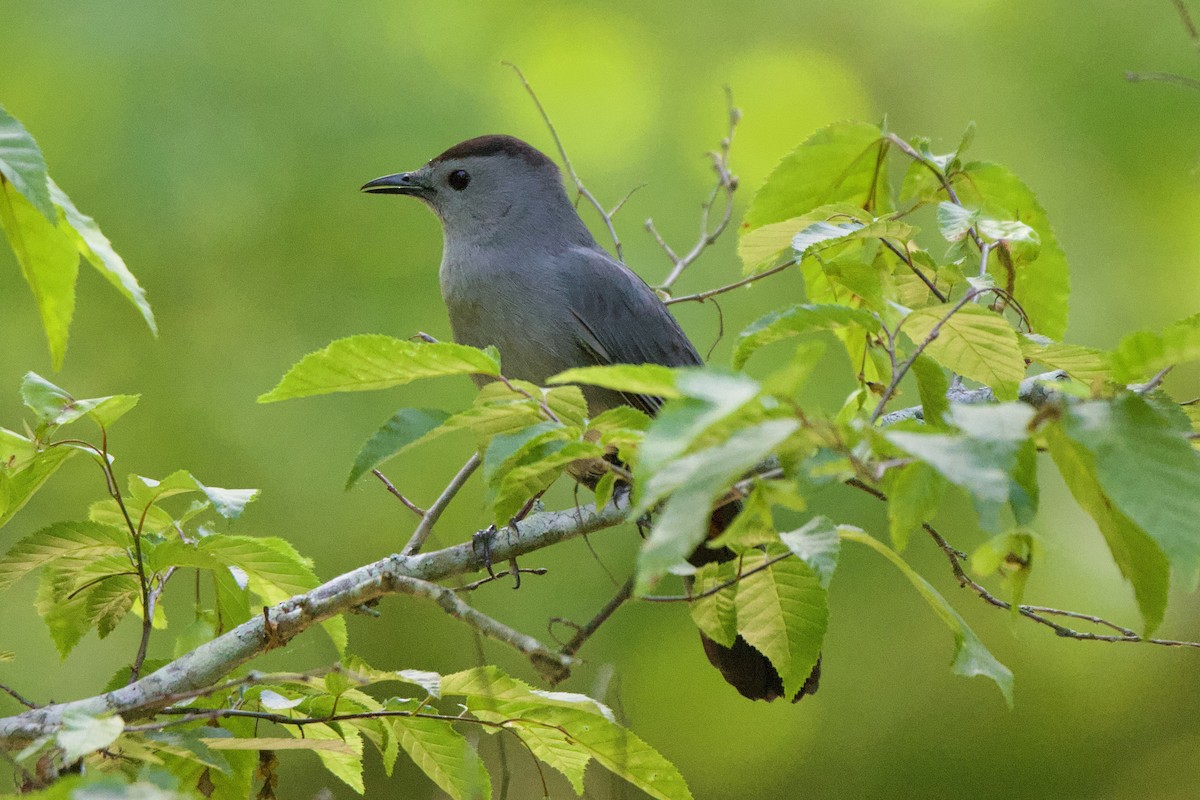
<point>520,271</point>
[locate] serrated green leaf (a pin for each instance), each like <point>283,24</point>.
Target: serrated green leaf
<point>697,480</point>
<point>970,656</point>
<point>653,380</point>
<point>55,406</point>
<point>816,543</point>
<point>839,163</point>
<point>712,397</point>
<point>275,571</point>
<point>445,756</point>
<point>341,753</point>
<point>76,541</point>
<point>753,526</point>
<point>914,492</point>
<point>1085,364</point>
<point>782,611</point>
<point>65,616</point>
<point>715,614</point>
<point>22,164</point>
<point>932,387</point>
<point>98,251</point>
<point>1139,558</point>
<point>24,469</point>
<point>81,734</point>
<point>618,419</point>
<point>370,361</point>
<point>49,263</point>
<point>796,320</point>
<point>974,342</point>
<point>954,221</point>
<point>532,470</point>
<point>1148,470</point>
<point>566,738</point>
<point>1040,281</point>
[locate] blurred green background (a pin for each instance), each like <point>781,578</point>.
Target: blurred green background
<point>221,145</point>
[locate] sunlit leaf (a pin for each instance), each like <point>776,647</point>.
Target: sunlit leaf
<point>445,756</point>
<point>98,251</point>
<point>1139,558</point>
<point>782,611</point>
<point>371,361</point>
<point>796,320</point>
<point>82,733</point>
<point>974,342</point>
<point>1143,353</point>
<point>49,264</point>
<point>22,164</point>
<point>839,163</point>
<point>715,614</point>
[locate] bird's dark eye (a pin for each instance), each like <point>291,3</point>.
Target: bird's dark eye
<point>458,179</point>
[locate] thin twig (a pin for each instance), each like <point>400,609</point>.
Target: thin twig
<point>898,374</point>
<point>410,505</point>
<point>702,296</point>
<point>1188,25</point>
<point>431,516</point>
<point>18,697</point>
<point>1039,614</point>
<point>907,259</point>
<point>1152,384</point>
<point>583,633</point>
<point>688,598</point>
<point>1163,77</point>
<point>725,187</point>
<point>562,151</point>
<point>473,585</point>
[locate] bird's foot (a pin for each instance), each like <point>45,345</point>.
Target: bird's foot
<point>481,544</point>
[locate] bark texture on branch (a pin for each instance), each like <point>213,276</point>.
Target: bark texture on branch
<point>211,661</point>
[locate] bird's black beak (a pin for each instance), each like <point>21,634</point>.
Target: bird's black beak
<point>400,183</point>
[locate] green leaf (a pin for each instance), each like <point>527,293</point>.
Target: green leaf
<point>535,469</point>
<point>1148,470</point>
<point>1143,353</point>
<point>816,543</point>
<point>49,264</point>
<point>954,221</point>
<point>712,396</point>
<point>74,541</point>
<point>715,614</point>
<point>970,656</point>
<point>1012,555</point>
<point>818,236</point>
<point>370,361</point>
<point>405,427</point>
<point>1137,555</point>
<point>24,469</point>
<point>229,503</point>
<point>754,525</point>
<point>1039,275</point>
<point>974,342</point>
<point>697,480</point>
<point>620,418</point>
<point>568,737</point>
<point>98,251</point>
<point>782,611</point>
<point>22,164</point>
<point>913,494</point>
<point>445,756</point>
<point>273,568</point>
<point>55,406</point>
<point>341,753</point>
<point>653,380</point>
<point>840,163</point>
<point>798,319</point>
<point>932,387</point>
<point>65,616</point>
<point>81,734</point>
<point>1082,363</point>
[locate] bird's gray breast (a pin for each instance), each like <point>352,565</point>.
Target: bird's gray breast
<point>507,303</point>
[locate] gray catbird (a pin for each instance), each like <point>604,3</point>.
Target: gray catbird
<point>522,272</point>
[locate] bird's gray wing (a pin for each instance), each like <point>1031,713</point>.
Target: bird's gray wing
<point>620,320</point>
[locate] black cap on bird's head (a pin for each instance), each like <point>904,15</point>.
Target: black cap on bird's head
<point>421,182</point>
<point>483,181</point>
